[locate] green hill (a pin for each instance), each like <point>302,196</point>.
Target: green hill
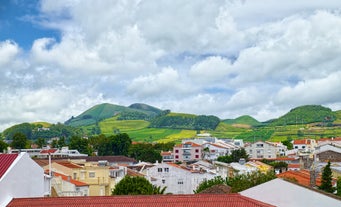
<point>103,111</point>
<point>305,115</point>
<point>246,119</point>
<point>185,121</point>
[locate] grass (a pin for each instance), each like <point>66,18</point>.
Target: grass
<point>109,125</point>
<point>224,130</point>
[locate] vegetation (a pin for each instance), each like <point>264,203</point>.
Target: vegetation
<point>326,182</point>
<point>145,152</point>
<point>186,122</point>
<point>81,144</point>
<point>209,183</point>
<point>235,156</point>
<point>111,145</point>
<point>338,186</point>
<point>256,134</point>
<point>19,141</point>
<point>246,119</point>
<point>242,182</point>
<point>305,115</point>
<point>136,186</point>
<point>3,146</point>
<point>239,182</point>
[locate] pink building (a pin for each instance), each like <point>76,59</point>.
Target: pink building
<point>187,151</point>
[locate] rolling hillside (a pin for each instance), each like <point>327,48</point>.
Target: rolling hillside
<point>246,119</point>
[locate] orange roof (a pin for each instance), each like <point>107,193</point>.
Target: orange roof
<point>302,177</point>
<point>192,200</point>
<point>48,151</point>
<point>166,153</point>
<point>6,161</point>
<point>68,179</point>
<point>191,143</point>
<point>69,164</point>
<point>294,165</point>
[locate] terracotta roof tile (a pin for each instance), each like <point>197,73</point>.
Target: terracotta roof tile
<point>68,179</point>
<point>69,164</point>
<point>194,200</point>
<point>6,161</point>
<point>302,177</point>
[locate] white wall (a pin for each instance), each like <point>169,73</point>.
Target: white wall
<point>177,180</point>
<point>24,178</point>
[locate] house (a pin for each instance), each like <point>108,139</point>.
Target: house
<point>178,179</point>
<point>167,156</point>
<point>305,145</point>
<point>323,141</point>
<point>328,152</point>
<point>64,185</point>
<point>262,167</point>
<point>282,193</point>
<point>21,177</point>
<point>211,151</point>
<point>302,177</point>
<point>188,151</point>
<point>197,200</point>
<point>266,150</point>
<point>100,176</point>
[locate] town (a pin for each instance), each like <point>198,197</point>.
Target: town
<point>289,175</point>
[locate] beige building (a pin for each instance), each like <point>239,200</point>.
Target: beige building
<point>100,177</point>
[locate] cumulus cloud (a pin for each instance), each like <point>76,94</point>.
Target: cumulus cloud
<point>226,58</point>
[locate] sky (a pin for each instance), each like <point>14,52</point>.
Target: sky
<point>223,58</point>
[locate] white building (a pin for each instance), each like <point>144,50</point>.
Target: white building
<point>266,150</point>
<point>211,151</point>
<point>66,186</point>
<point>21,177</point>
<point>177,179</point>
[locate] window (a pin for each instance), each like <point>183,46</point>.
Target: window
<point>180,182</point>
<point>176,156</point>
<point>259,145</point>
<point>92,174</point>
<point>176,151</point>
<point>75,176</point>
<point>159,169</point>
<point>197,156</point>
<point>163,181</point>
<point>197,150</point>
<point>166,169</point>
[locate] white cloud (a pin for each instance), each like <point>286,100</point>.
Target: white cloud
<point>8,53</point>
<point>226,58</point>
<point>211,69</point>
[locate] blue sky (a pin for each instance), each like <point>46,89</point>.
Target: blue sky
<point>224,58</point>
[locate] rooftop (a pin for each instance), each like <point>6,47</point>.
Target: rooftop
<point>6,161</point>
<point>193,200</point>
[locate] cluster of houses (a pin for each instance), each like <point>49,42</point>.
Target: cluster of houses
<point>67,173</point>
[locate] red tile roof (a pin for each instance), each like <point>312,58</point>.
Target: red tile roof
<point>46,151</point>
<point>68,179</point>
<point>6,161</point>
<point>194,200</point>
<point>69,164</point>
<point>302,177</point>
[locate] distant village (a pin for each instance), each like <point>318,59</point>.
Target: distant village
<point>43,174</point>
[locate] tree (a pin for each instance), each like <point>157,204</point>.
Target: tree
<point>209,183</point>
<point>338,186</point>
<point>239,182</point>
<point>136,186</point>
<point>235,156</point>
<point>145,152</point>
<point>288,144</point>
<point>326,183</point>
<point>81,144</point>
<point>40,142</point>
<point>120,144</point>
<point>19,141</point>
<point>3,146</point>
